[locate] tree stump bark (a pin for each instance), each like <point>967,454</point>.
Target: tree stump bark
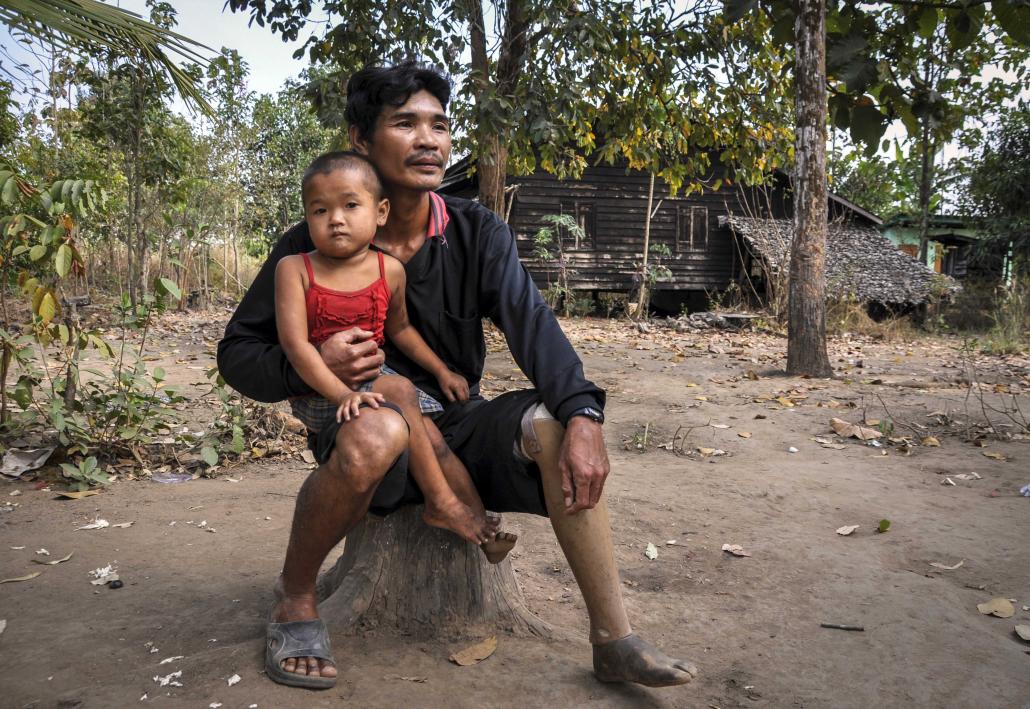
<point>397,574</point>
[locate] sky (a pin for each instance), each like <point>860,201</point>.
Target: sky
<point>270,60</point>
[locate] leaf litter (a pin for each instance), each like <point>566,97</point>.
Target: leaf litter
<point>735,549</point>
<point>847,529</point>
<point>54,562</point>
<point>1000,607</point>
<point>474,654</point>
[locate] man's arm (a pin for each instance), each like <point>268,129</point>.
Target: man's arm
<point>250,358</point>
<point>544,353</point>
<point>509,297</point>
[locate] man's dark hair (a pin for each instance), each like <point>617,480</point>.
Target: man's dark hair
<point>344,160</point>
<point>374,87</point>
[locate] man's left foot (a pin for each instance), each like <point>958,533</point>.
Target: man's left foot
<point>633,659</point>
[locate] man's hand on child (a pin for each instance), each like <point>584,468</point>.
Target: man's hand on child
<point>352,355</point>
<point>454,386</point>
<point>351,403</point>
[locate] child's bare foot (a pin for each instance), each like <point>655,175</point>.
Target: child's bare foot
<point>455,516</point>
<point>498,547</point>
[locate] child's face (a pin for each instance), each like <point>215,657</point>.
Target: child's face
<point>342,212</point>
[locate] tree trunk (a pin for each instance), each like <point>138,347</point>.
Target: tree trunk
<point>493,148</point>
<point>925,177</point>
<point>400,575</point>
<point>644,296</point>
<point>806,329</point>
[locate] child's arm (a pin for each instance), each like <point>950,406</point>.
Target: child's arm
<point>408,341</point>
<point>291,320</point>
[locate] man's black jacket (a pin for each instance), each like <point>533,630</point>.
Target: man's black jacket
<point>472,272</point>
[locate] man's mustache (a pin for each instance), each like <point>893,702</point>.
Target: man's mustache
<point>425,157</point>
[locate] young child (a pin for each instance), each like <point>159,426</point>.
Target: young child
<point>343,284</point>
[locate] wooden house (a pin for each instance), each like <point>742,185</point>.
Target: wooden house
<point>708,250</point>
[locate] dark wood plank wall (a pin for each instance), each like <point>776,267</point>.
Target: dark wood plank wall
<point>610,203</point>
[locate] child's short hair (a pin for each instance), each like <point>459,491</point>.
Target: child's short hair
<point>344,160</point>
<point>374,87</point>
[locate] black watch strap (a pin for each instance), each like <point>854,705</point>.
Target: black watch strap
<point>589,412</point>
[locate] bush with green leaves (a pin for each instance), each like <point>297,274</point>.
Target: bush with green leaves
<point>547,247</point>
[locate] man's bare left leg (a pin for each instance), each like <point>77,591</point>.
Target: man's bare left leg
<point>585,538</point>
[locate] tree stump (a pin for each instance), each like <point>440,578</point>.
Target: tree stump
<point>398,574</point>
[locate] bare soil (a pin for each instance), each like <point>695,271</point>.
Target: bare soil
<point>700,428</point>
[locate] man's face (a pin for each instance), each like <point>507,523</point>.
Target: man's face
<point>410,143</point>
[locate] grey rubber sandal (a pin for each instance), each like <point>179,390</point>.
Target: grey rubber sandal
<point>300,638</point>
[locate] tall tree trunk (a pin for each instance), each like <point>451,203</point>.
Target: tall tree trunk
<point>235,244</point>
<point>925,178</point>
<point>806,330</point>
<point>644,296</point>
<point>492,165</point>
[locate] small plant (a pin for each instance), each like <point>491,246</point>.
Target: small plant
<point>85,475</point>
<point>547,247</point>
<point>226,434</point>
<point>612,302</point>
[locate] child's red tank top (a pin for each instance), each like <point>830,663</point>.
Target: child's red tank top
<point>331,311</point>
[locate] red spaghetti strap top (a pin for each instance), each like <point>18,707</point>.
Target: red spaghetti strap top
<point>331,311</point>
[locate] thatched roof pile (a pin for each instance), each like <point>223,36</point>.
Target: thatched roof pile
<point>860,261</point>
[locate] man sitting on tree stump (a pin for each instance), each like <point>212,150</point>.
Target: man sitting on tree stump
<point>539,451</point>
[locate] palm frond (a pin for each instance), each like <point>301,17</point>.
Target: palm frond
<point>72,23</point>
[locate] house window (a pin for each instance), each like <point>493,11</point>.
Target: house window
<point>583,213</point>
<point>691,228</point>
<point>699,228</point>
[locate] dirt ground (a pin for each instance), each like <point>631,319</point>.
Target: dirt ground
<point>700,429</point>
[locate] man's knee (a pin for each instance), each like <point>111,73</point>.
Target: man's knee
<point>367,446</point>
<point>528,444</point>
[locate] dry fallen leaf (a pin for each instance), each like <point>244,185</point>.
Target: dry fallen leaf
<point>234,680</point>
<point>97,524</point>
<point>945,567</point>
<point>475,654</point>
<point>735,549</point>
<point>308,456</point>
<point>784,402</point>
<point>420,680</point>
<point>123,525</point>
<point>1000,607</point>
<point>26,577</point>
<point>3,626</point>
<point>1023,631</point>
<point>651,552</point>
<point>56,561</point>
<point>994,456</point>
<point>847,529</point>
<point>744,434</point>
<point>931,442</point>
<point>78,495</point>
<point>850,430</point>
<point>719,425</point>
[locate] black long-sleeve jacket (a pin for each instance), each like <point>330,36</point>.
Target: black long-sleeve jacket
<point>472,272</point>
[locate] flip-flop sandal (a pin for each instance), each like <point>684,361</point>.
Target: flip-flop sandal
<point>300,638</point>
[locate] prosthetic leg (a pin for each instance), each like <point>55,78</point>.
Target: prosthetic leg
<point>585,538</point>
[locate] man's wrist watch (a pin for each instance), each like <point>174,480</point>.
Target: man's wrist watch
<point>589,412</point>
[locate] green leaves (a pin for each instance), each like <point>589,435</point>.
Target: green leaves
<point>1014,18</point>
<point>734,10</point>
<point>63,260</point>
<point>169,287</point>
<point>868,125</point>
